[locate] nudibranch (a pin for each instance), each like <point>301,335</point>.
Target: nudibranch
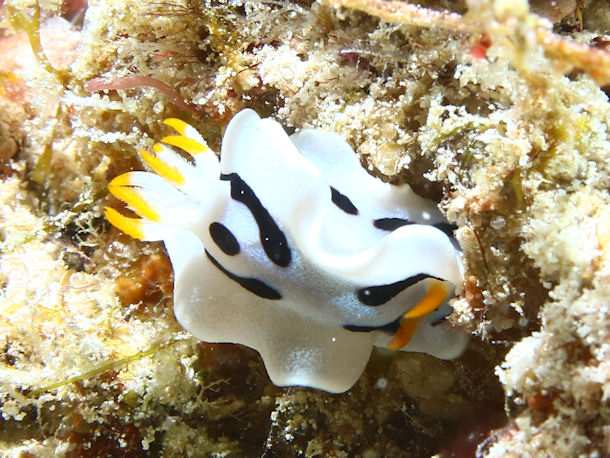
<point>287,245</point>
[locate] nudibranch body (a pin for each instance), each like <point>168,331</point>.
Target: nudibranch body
<point>288,246</point>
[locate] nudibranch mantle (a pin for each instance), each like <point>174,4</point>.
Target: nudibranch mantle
<point>287,245</point>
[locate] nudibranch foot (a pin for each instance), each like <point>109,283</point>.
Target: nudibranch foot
<point>288,246</point>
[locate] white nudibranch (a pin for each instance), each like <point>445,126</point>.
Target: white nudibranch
<point>288,246</point>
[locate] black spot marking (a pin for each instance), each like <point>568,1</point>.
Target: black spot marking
<point>439,321</point>
<point>390,328</point>
<point>391,224</point>
<point>255,286</point>
<point>447,228</point>
<point>224,238</point>
<point>379,295</point>
<point>272,238</point>
<point>343,202</point>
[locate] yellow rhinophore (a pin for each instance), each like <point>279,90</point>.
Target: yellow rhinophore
<point>403,335</point>
<point>435,296</point>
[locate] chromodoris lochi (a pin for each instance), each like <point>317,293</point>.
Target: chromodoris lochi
<point>288,246</point>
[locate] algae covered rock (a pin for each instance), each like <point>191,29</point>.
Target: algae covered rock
<point>494,111</point>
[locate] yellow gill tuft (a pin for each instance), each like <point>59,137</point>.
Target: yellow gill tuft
<point>131,226</point>
<point>162,168</point>
<point>178,125</point>
<point>122,189</point>
<point>189,145</point>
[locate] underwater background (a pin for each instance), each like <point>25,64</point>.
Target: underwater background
<point>496,109</point>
